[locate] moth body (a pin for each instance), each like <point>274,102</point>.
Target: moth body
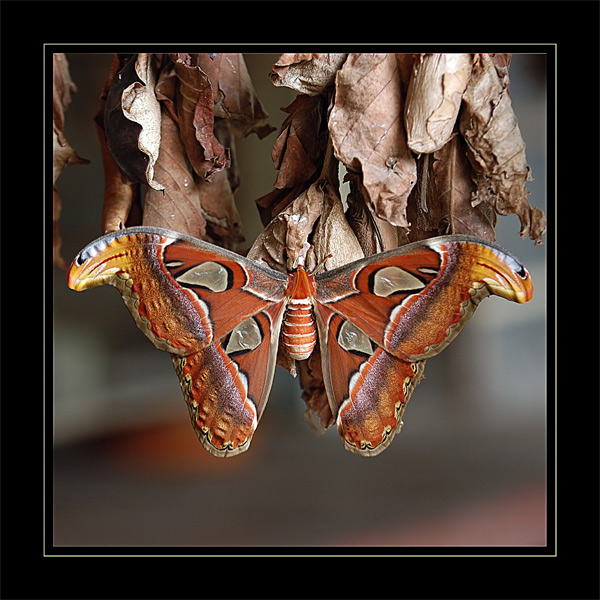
<point>299,332</point>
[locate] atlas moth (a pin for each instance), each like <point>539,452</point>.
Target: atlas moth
<point>222,318</point>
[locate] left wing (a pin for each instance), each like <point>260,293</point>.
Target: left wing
<point>216,312</point>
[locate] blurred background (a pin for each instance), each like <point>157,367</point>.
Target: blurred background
<point>468,468</point>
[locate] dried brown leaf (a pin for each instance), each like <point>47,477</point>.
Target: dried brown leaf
<point>310,74</point>
<point>453,190</point>
<point>373,234</point>
<point>441,202</point>
<point>140,105</point>
<point>131,134</point>
<point>269,246</point>
<point>224,133</point>
<point>63,155</point>
<point>496,147</point>
<point>223,223</point>
<point>297,153</point>
<point>119,191</point>
<point>178,207</point>
<point>119,194</point>
<point>367,130</point>
<point>166,90</point>
<point>407,63</point>
<point>271,204</point>
<point>286,237</point>
<point>234,95</point>
<point>62,90</point>
<point>434,99</point>
<point>196,114</point>
<point>537,225</point>
<point>334,241</point>
<point>502,64</point>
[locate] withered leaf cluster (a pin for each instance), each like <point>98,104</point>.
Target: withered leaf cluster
<point>429,142</point>
<point>167,125</point>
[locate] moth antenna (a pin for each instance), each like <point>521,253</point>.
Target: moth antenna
<point>321,263</point>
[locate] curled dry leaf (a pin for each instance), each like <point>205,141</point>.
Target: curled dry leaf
<point>502,64</point>
<point>496,147</point>
<point>224,133</point>
<point>373,234</point>
<point>223,222</point>
<point>178,207</point>
<point>315,217</point>
<point>311,74</point>
<point>366,125</point>
<point>234,97</point>
<point>440,203</point>
<point>141,106</point>
<point>406,66</point>
<point>119,192</point>
<point>196,114</point>
<point>190,203</point>
<point>537,225</point>
<point>333,239</point>
<point>57,259</point>
<point>212,100</point>
<point>269,246</point>
<point>206,101</point>
<point>434,98</point>
<point>132,119</point>
<point>62,90</point>
<point>287,235</point>
<point>271,204</point>
<point>63,154</point>
<point>166,89</point>
<point>297,153</point>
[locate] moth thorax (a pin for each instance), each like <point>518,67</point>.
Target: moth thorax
<point>299,334</point>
